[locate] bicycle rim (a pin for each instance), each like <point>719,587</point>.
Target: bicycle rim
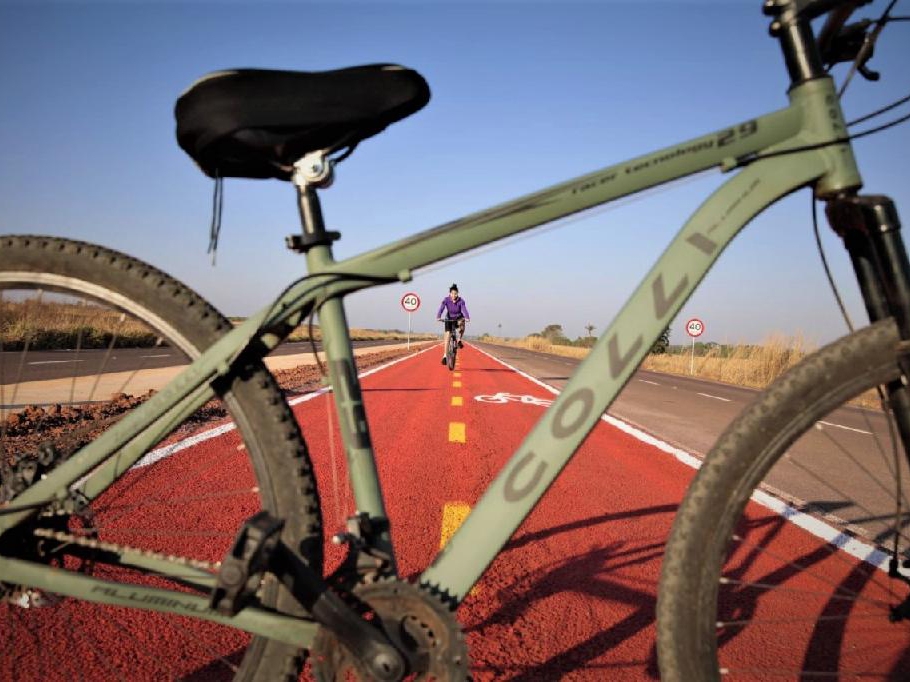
<point>775,568</point>
<point>87,334</point>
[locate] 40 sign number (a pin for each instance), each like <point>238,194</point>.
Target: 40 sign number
<point>695,327</point>
<point>410,302</point>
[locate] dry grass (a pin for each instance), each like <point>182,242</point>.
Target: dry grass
<point>753,366</point>
<point>47,325</point>
<point>302,333</point>
<point>539,344</point>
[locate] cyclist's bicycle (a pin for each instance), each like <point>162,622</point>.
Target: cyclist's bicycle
<point>451,335</point>
<point>104,502</point>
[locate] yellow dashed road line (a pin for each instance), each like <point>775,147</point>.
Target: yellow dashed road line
<point>453,515</point>
<point>457,401</point>
<point>456,384</point>
<point>456,432</point>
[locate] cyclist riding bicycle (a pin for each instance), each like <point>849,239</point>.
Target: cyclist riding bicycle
<point>456,312</point>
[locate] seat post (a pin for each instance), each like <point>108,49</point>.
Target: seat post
<point>311,172</point>
<point>314,171</point>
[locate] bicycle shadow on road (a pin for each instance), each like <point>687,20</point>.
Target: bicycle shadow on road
<point>837,606</point>
<point>613,587</point>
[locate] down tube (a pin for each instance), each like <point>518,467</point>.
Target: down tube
<point>613,359</point>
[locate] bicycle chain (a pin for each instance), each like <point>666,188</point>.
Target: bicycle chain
<point>92,543</point>
<point>23,471</point>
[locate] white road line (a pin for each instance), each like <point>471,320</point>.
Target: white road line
<point>166,355</point>
<point>52,362</point>
<point>715,397</point>
<point>856,548</point>
<point>168,450</point>
<point>846,428</point>
<point>645,381</point>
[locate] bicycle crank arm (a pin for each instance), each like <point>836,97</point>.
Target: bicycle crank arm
<point>257,550</point>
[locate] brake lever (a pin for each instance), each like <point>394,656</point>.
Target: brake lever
<point>866,72</point>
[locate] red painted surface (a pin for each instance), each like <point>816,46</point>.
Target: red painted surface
<point>572,596</point>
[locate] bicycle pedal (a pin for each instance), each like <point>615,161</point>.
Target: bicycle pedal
<point>243,569</point>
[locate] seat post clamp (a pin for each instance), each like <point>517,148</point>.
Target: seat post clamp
<point>314,170</point>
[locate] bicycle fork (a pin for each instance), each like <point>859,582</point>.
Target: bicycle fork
<point>870,228</point>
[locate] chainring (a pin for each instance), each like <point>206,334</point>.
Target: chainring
<point>417,622</point>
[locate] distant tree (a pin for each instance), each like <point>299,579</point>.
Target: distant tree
<point>590,328</point>
<point>554,334</point>
<point>662,344</point>
<point>552,331</point>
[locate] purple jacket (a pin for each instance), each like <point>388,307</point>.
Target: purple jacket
<point>454,309</point>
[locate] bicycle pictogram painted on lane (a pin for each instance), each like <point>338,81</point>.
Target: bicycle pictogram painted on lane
<point>503,398</point>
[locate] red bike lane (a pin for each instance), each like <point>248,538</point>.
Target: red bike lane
<point>571,596</point>
<point>574,591</point>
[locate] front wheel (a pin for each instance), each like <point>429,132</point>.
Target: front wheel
<point>87,333</point>
<point>776,567</point>
<point>451,351</point>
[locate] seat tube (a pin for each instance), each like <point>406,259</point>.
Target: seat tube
<point>336,340</point>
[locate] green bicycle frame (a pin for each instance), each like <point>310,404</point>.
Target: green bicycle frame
<point>800,145</point>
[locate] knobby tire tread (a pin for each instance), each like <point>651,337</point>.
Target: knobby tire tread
<point>273,439</point>
<point>737,463</point>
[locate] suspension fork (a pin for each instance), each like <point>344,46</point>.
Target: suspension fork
<point>870,228</point>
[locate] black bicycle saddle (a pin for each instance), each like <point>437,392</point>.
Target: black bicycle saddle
<point>255,123</point>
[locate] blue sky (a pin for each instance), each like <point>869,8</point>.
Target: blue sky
<point>524,95</point>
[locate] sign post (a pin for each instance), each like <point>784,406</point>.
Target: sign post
<point>694,328</point>
<point>410,302</point>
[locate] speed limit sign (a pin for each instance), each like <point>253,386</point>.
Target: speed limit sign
<point>410,302</point>
<point>695,327</point>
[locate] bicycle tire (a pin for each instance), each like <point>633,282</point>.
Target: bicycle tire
<point>451,354</point>
<point>276,450</point>
<point>693,612</point>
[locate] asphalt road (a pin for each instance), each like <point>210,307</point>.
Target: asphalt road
<point>58,364</point>
<point>847,455</point>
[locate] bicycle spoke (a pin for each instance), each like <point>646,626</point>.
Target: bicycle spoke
<point>809,619</point>
<point>106,358</point>
<point>208,497</point>
<point>855,460</point>
<point>783,672</point>
<point>772,587</point>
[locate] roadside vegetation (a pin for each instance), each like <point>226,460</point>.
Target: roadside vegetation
<point>749,365</point>
<point>48,325</point>
<point>302,333</point>
<point>55,325</point>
